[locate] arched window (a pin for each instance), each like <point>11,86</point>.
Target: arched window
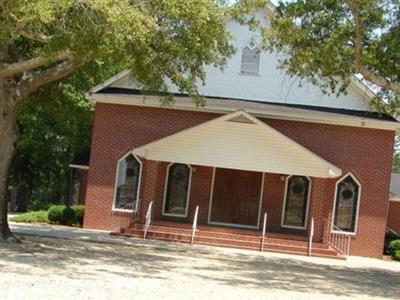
<point>250,63</point>
<point>177,190</point>
<point>296,202</point>
<point>347,201</point>
<point>127,183</point>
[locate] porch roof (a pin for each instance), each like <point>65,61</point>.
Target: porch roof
<point>238,141</point>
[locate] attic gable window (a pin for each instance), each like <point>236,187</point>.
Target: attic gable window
<point>250,63</point>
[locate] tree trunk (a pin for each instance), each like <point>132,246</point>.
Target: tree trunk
<point>8,138</point>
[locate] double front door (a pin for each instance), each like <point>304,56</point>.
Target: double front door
<point>236,197</point>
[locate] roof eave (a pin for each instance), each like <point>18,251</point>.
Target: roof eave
<point>215,106</point>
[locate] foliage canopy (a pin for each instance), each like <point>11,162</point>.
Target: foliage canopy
<point>329,41</point>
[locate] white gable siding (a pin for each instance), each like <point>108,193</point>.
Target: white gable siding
<point>238,141</point>
<point>271,85</point>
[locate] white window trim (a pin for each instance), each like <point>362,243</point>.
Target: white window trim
<point>357,208</point>
<point>307,206</point>
<point>247,44</point>
<point>138,188</point>
<point>231,224</point>
<point>187,196</point>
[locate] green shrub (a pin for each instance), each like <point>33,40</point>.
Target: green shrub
<point>389,237</point>
<point>79,211</point>
<point>396,255</point>
<point>55,213</point>
<point>394,249</point>
<point>68,216</point>
<point>32,217</point>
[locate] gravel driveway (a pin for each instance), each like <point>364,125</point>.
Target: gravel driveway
<point>68,268</point>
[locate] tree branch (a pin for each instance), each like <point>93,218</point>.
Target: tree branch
<point>34,36</point>
<point>30,85</point>
<point>358,56</point>
<point>9,70</point>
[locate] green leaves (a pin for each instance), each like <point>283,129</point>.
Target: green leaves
<point>157,40</point>
<point>318,40</point>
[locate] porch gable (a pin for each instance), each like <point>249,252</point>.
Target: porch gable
<point>238,141</point>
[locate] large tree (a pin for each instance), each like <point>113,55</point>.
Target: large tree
<point>54,126</point>
<point>329,41</point>
<point>42,41</point>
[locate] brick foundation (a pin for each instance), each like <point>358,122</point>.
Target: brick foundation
<point>367,153</point>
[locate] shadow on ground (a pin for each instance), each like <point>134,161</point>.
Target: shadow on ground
<point>86,260</point>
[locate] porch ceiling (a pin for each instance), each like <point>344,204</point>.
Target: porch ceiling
<point>238,141</point>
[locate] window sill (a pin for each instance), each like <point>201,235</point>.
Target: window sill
<point>343,232</point>
<point>249,74</point>
<point>174,215</point>
<point>123,210</point>
<point>294,227</point>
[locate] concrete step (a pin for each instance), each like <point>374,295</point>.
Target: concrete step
<point>254,238</point>
<point>232,239</point>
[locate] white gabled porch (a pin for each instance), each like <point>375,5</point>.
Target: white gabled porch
<point>238,141</point>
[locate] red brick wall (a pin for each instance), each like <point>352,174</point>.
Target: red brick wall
<point>394,216</point>
<point>367,153</point>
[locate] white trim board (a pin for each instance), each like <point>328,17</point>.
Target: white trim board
<point>267,110</point>
<point>82,167</point>
<point>109,81</point>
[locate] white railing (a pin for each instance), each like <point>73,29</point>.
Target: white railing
<point>310,237</point>
<point>336,238</point>
<point>148,219</point>
<point>194,226</point>
<point>264,229</point>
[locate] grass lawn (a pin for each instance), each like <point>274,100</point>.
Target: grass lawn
<point>32,217</point>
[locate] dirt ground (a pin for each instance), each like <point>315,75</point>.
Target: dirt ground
<point>56,268</point>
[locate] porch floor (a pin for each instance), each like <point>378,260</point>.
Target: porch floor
<point>229,237</point>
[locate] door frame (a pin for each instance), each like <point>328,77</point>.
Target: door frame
<point>232,224</point>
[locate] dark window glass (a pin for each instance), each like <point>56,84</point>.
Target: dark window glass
<point>177,190</point>
<point>127,183</point>
<point>346,204</point>
<point>296,201</point>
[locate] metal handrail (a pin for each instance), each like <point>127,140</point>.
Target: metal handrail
<point>148,219</point>
<point>135,215</point>
<point>337,238</point>
<point>345,249</point>
<point>310,237</point>
<point>264,229</point>
<point>194,226</point>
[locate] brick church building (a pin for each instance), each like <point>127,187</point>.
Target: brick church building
<point>264,155</point>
